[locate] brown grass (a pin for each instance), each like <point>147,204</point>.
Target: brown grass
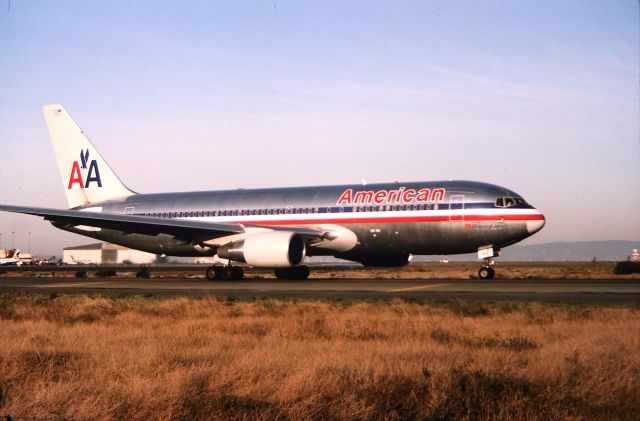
<point>179,358</point>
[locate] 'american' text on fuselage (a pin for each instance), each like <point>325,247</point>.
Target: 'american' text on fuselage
<point>402,195</point>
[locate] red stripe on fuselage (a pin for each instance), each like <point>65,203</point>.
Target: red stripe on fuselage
<point>391,219</point>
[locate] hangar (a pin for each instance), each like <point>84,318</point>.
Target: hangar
<point>105,253</point>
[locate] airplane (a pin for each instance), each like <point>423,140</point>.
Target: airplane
<point>380,225</point>
<point>45,261</point>
<point>13,258</point>
<point>75,261</point>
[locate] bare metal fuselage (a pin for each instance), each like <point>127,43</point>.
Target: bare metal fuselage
<point>386,220</point>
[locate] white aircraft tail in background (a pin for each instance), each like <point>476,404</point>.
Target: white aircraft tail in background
<point>13,258</point>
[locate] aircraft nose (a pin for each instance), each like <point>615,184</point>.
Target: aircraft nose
<point>535,225</point>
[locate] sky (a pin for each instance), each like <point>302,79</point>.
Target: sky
<point>540,97</point>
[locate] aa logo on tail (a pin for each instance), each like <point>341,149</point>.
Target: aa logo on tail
<point>79,168</point>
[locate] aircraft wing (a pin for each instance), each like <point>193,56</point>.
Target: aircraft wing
<point>185,230</point>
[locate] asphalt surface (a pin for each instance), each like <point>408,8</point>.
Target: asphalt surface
<point>574,291</point>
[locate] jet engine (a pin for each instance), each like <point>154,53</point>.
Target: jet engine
<point>274,249</point>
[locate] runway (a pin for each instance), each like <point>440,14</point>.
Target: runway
<point>574,291</point>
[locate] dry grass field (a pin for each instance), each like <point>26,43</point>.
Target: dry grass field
<point>178,358</point>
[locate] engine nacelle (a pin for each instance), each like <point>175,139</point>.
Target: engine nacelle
<point>274,249</point>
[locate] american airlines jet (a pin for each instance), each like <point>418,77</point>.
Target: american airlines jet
<point>376,225</point>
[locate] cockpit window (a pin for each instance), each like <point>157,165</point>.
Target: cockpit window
<point>507,202</point>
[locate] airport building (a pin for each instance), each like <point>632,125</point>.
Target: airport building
<point>105,253</point>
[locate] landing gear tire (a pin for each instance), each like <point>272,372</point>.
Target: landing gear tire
<point>294,273</point>
<point>224,273</point>
<point>213,273</point>
<point>237,273</point>
<point>486,273</point>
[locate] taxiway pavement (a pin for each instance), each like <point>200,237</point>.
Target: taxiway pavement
<point>566,290</point>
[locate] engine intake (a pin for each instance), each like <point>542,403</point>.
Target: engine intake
<point>274,249</point>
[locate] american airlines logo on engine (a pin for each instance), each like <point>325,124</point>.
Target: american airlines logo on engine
<point>80,168</point>
<point>401,195</point>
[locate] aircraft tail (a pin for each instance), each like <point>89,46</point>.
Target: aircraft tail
<point>86,176</point>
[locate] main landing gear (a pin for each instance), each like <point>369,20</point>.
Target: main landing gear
<point>293,273</point>
<point>224,273</point>
<point>234,273</point>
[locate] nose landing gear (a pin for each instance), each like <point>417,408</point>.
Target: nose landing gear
<point>487,253</point>
<point>486,272</point>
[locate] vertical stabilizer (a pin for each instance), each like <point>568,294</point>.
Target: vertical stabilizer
<point>86,176</point>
